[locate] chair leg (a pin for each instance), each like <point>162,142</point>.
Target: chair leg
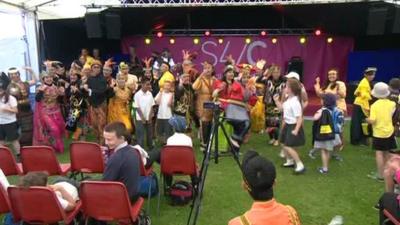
<point>149,199</point>
<point>159,194</point>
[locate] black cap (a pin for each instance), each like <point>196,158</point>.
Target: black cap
<point>259,174</point>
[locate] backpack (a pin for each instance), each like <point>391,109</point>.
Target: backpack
<point>181,193</point>
<point>147,182</point>
<point>338,120</point>
<point>325,130</point>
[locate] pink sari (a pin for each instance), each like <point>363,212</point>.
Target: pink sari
<point>49,125</point>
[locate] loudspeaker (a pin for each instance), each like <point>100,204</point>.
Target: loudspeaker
<point>295,64</point>
<point>376,21</point>
<point>113,26</point>
<point>396,21</point>
<point>93,25</point>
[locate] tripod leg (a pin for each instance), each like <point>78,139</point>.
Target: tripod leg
<point>234,150</point>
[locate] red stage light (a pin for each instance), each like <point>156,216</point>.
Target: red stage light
<point>160,34</point>
<point>263,33</point>
<point>318,32</point>
<point>207,33</point>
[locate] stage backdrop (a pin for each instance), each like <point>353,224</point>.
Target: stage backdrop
<point>318,56</point>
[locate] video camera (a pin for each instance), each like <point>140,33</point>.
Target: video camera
<point>212,105</point>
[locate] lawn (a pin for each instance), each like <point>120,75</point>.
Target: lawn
<point>345,191</point>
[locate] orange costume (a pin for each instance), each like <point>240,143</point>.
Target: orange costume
<point>269,212</point>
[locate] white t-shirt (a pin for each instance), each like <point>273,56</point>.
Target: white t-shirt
<point>3,180</point>
<point>164,110</point>
<point>7,117</point>
<point>145,102</point>
<point>291,110</point>
<point>71,189</point>
<point>180,139</point>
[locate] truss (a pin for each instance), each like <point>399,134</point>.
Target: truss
<point>210,3</point>
<point>233,32</point>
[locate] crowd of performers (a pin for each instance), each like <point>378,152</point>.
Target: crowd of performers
<point>145,94</point>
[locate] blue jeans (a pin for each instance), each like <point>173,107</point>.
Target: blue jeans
<point>240,129</point>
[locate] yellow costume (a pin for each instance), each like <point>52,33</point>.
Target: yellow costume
<point>363,96</point>
<point>118,107</point>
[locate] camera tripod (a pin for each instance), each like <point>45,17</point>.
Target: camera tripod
<point>213,138</point>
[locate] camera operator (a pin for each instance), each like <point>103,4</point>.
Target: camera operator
<point>237,105</point>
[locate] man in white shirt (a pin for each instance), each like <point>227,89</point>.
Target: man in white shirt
<point>144,103</point>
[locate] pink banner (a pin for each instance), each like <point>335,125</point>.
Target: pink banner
<point>318,55</point>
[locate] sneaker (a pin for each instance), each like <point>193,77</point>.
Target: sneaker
<point>311,153</point>
<point>298,171</point>
<point>377,206</point>
<point>337,220</point>
<point>234,143</point>
<point>271,141</point>
<point>288,163</point>
<point>276,143</point>
<point>337,157</point>
<point>322,170</point>
<point>375,176</point>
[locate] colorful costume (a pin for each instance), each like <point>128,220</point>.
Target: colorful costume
<point>272,113</point>
<point>203,87</point>
<point>77,109</point>
<point>118,107</point>
<point>360,112</point>
<point>48,121</point>
<point>20,90</point>
<point>257,113</point>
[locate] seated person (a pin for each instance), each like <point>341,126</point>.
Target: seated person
<point>390,202</point>
<point>258,179</point>
<point>123,164</point>
<point>66,192</point>
<point>391,166</point>
<point>179,138</point>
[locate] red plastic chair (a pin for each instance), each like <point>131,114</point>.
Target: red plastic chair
<point>86,157</point>
<point>4,201</point>
<point>176,160</point>
<point>145,172</point>
<point>38,205</point>
<point>8,163</point>
<point>108,201</point>
<point>42,158</point>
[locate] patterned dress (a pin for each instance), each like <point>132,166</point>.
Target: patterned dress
<point>20,90</point>
<point>118,107</point>
<point>48,121</point>
<point>272,113</point>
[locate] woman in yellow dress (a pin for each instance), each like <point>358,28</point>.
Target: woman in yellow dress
<point>118,106</point>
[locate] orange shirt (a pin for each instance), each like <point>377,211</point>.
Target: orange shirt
<point>268,213</point>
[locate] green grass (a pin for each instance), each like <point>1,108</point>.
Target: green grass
<point>345,191</point>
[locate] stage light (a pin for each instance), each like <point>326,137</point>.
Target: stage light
<point>172,41</point>
<point>274,40</point>
<point>263,33</point>
<point>247,40</point>
<point>302,40</point>
<point>207,33</point>
<point>196,41</point>
<point>159,34</point>
<point>318,32</point>
<point>329,40</point>
<point>220,40</point>
<point>147,41</point>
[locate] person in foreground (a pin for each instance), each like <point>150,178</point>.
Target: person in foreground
<point>258,179</point>
<point>123,165</point>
